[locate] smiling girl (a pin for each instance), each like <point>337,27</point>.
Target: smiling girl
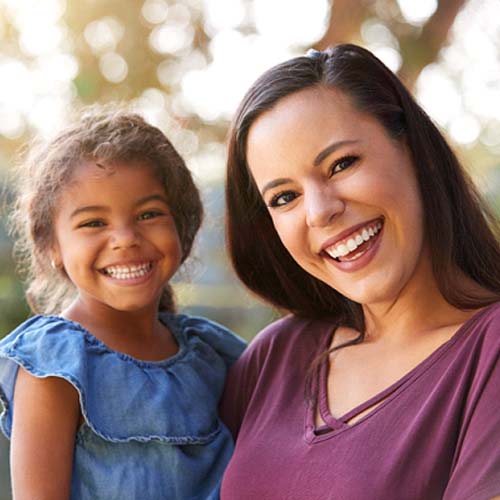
<point>109,393</point>
<point>347,208</point>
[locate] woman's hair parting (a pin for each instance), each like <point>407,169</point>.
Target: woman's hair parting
<point>460,229</point>
<point>104,135</point>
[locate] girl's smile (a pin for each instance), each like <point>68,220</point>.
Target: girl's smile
<point>129,273</point>
<point>115,236</point>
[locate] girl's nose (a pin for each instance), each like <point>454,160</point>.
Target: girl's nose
<point>322,208</point>
<point>124,237</point>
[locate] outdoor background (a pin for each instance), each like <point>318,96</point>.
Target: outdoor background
<point>185,65</point>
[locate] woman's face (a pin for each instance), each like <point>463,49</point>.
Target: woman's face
<point>343,195</point>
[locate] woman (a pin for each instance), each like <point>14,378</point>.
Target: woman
<point>347,208</point>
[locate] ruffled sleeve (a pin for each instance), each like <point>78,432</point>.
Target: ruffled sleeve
<point>228,345</point>
<point>122,398</point>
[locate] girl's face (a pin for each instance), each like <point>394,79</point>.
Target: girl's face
<point>115,236</point>
<point>342,195</point>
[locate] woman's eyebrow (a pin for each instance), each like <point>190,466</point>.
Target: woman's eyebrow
<point>330,149</point>
<point>317,161</point>
<point>274,183</point>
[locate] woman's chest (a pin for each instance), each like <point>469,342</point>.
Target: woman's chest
<point>398,449</point>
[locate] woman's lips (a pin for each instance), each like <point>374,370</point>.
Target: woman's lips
<point>356,250</point>
<point>347,246</point>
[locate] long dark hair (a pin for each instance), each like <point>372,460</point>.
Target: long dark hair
<point>459,227</point>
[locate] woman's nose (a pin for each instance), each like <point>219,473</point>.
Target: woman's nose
<point>322,207</point>
<point>124,237</point>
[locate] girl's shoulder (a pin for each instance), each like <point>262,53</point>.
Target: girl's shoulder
<point>155,394</point>
<point>195,330</point>
<point>32,341</point>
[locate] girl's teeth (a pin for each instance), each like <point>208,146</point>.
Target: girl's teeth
<point>128,272</point>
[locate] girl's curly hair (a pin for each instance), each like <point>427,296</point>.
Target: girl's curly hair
<point>103,135</point>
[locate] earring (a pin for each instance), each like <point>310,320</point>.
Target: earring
<point>53,264</point>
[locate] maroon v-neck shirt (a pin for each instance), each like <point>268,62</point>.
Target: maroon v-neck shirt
<point>435,433</point>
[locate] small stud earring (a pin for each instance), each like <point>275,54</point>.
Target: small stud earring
<point>53,264</point>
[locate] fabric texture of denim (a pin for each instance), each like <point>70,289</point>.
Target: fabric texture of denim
<point>151,428</point>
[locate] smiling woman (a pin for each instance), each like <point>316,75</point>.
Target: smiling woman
<point>347,208</point>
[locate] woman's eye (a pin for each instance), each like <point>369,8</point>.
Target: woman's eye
<point>150,214</point>
<point>282,199</point>
<point>92,223</point>
<point>342,164</point>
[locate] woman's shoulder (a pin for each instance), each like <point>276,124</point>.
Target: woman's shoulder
<point>483,328</point>
<point>291,329</point>
<point>289,337</point>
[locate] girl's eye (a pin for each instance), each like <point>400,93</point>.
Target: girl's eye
<point>282,199</point>
<point>150,214</point>
<point>92,223</point>
<point>342,164</point>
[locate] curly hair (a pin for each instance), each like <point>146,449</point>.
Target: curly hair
<point>100,134</point>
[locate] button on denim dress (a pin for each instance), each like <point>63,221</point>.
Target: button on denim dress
<point>151,428</point>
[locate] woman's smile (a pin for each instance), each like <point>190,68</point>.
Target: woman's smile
<point>353,242</point>
<point>341,193</point>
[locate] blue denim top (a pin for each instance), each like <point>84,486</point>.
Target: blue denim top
<point>151,428</point>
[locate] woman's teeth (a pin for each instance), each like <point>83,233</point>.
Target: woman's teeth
<point>128,272</point>
<point>354,241</point>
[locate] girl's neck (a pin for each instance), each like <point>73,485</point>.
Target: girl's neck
<point>137,333</point>
<point>107,318</point>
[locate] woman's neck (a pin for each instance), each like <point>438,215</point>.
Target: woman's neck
<point>419,308</point>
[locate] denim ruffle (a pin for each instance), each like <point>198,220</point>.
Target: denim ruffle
<point>162,398</point>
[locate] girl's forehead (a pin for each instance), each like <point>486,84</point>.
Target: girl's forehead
<point>96,179</point>
<point>100,169</point>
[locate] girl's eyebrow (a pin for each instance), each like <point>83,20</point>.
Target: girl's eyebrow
<point>90,208</point>
<point>103,208</point>
<point>152,197</point>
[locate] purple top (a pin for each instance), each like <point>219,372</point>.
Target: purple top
<point>435,434</point>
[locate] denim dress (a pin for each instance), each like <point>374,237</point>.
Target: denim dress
<point>151,428</point>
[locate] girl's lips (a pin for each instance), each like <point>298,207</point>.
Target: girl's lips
<point>130,273</point>
<point>127,270</point>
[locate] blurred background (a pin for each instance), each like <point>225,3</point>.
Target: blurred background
<point>185,65</point>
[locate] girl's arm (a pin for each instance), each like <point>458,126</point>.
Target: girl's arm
<point>46,417</point>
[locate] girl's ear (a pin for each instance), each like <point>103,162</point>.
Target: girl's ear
<point>55,258</point>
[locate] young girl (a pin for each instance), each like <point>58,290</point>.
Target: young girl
<point>109,394</point>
